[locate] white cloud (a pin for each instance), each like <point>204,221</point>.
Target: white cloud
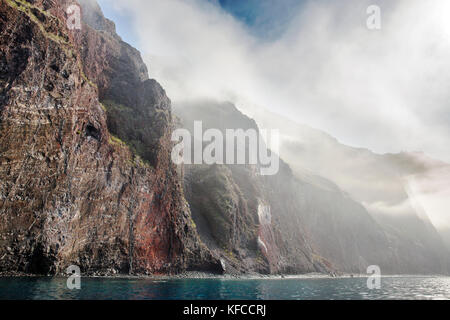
<point>431,191</point>
<point>386,90</point>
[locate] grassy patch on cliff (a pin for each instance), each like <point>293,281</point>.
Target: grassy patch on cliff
<point>219,200</point>
<point>124,123</point>
<point>51,28</point>
<point>213,198</point>
<point>116,141</point>
<point>42,19</point>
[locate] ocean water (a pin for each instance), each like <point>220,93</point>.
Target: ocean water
<point>405,287</point>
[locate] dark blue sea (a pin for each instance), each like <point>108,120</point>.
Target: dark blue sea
<point>405,287</point>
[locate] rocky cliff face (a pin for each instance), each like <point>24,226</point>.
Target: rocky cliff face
<point>80,183</point>
<point>312,224</point>
<point>381,221</point>
<point>252,222</point>
<point>86,176</point>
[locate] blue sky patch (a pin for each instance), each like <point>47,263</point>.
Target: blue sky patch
<point>267,19</point>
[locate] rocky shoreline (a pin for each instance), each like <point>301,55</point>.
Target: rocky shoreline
<point>184,275</point>
<point>191,275</point>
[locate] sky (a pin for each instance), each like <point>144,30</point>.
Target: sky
<point>314,61</point>
<point>123,20</point>
<point>262,17</point>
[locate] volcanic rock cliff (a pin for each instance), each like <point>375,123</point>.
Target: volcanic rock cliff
<point>388,188</point>
<point>253,222</point>
<point>303,221</point>
<point>86,176</point>
<point>81,182</point>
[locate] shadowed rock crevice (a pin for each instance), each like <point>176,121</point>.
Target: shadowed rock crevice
<point>93,132</point>
<point>41,263</point>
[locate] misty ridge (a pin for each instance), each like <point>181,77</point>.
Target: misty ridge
<point>382,90</point>
<point>229,146</point>
<point>362,175</point>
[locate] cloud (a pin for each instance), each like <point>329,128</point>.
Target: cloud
<point>431,191</point>
<point>386,90</point>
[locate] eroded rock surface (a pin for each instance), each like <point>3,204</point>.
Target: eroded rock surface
<point>80,184</point>
<point>253,222</point>
<point>298,221</point>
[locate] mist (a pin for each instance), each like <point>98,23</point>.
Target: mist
<point>385,90</point>
<point>382,89</point>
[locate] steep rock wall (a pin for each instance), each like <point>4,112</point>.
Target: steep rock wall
<point>70,191</point>
<point>252,222</point>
